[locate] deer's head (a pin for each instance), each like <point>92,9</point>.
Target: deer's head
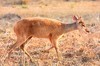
<point>80,23</point>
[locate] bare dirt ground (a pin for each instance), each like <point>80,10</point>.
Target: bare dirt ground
<point>75,48</point>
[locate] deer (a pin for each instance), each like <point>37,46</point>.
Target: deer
<point>40,27</point>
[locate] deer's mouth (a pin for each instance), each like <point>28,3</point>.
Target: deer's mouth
<point>84,30</point>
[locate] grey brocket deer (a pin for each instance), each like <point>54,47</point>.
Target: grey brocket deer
<point>40,27</point>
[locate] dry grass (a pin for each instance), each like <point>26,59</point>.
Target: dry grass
<point>76,49</point>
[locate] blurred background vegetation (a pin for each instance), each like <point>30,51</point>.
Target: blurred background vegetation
<point>35,1</point>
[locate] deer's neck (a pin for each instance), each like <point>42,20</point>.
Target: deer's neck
<point>69,27</point>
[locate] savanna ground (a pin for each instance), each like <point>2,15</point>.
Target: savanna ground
<point>75,48</point>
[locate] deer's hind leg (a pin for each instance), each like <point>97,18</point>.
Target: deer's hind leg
<point>23,48</point>
<point>20,41</point>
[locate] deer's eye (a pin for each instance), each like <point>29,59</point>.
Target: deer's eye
<point>82,24</point>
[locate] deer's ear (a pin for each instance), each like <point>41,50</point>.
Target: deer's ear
<point>75,18</point>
